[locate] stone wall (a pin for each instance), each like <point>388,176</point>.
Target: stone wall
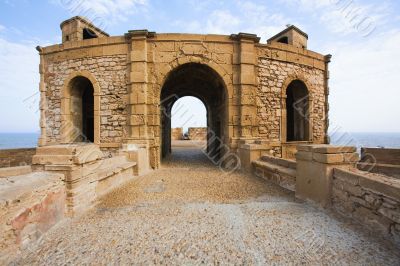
<point>29,206</point>
<point>132,72</point>
<point>381,160</point>
<point>371,199</point>
<point>272,78</point>
<point>177,133</point>
<point>16,157</point>
<point>110,73</point>
<point>197,133</point>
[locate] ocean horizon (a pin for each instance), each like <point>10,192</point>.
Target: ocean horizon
<point>358,139</point>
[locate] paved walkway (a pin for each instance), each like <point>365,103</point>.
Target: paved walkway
<point>189,212</point>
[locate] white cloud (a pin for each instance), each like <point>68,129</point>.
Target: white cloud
<point>218,22</point>
<point>222,22</point>
<point>19,80</point>
<point>346,16</point>
<point>102,12</point>
<point>250,17</point>
<point>365,83</point>
<point>259,19</point>
<point>2,28</point>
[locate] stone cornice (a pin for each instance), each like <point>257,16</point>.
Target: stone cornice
<point>245,36</point>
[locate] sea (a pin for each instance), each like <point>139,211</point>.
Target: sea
<point>358,139</point>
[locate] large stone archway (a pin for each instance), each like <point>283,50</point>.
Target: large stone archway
<point>137,77</point>
<point>203,82</point>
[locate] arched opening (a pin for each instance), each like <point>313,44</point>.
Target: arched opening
<point>189,120</point>
<point>297,111</point>
<point>89,34</point>
<point>200,81</point>
<point>82,109</point>
<point>283,40</point>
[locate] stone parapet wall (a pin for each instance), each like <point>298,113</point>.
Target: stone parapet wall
<point>371,199</point>
<point>197,133</point>
<point>381,155</point>
<point>177,133</point>
<point>381,160</point>
<point>16,157</point>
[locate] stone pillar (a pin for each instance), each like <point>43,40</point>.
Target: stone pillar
<point>247,84</point>
<point>43,102</point>
<point>138,90</point>
<point>315,165</point>
<point>250,152</point>
<point>326,85</point>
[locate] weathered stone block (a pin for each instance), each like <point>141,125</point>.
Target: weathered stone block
<point>304,156</point>
<point>333,149</point>
<point>328,158</point>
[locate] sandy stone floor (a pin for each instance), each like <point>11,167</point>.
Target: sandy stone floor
<point>190,212</point>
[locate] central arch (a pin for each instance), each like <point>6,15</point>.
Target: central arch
<point>203,82</point>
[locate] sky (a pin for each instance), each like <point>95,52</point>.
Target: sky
<point>362,36</point>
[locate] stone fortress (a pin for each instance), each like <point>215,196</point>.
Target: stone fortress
<point>119,90</point>
<point>105,105</point>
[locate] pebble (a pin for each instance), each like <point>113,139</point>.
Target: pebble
<point>189,212</point>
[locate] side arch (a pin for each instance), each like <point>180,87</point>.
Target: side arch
<point>67,126</point>
<point>284,115</point>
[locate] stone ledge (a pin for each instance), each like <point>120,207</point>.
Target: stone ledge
<point>374,182</point>
<point>15,171</point>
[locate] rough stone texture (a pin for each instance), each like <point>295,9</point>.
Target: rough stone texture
<point>129,73</point>
<point>197,133</point>
<point>371,199</point>
<point>176,133</point>
<point>279,171</point>
<point>272,76</point>
<point>29,206</point>
<point>88,175</point>
<point>189,213</point>
<point>16,157</point>
<point>110,73</point>
<point>314,172</point>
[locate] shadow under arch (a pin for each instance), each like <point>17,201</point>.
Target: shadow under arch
<point>297,118</point>
<point>80,105</point>
<point>200,81</point>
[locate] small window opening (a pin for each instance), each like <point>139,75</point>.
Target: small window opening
<point>284,40</point>
<point>89,34</point>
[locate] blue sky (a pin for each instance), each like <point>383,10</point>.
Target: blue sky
<point>362,36</point>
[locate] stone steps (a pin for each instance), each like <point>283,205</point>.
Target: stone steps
<point>279,171</point>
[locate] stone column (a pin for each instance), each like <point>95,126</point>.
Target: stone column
<point>247,84</point>
<point>43,102</point>
<point>138,91</point>
<point>326,85</point>
<point>315,165</point>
